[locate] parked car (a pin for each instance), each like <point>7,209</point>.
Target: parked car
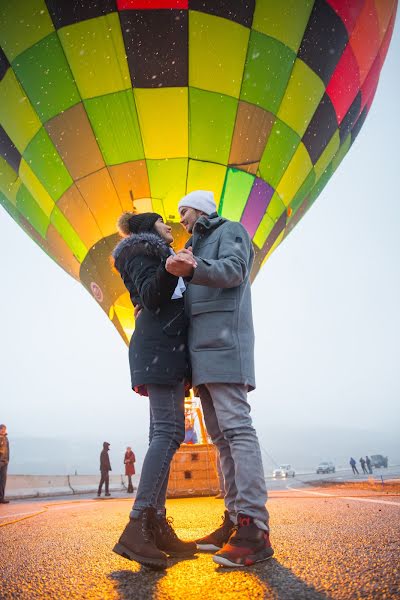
<point>378,460</point>
<point>326,467</point>
<point>283,472</point>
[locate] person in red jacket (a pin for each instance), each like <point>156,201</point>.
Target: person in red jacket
<point>129,462</point>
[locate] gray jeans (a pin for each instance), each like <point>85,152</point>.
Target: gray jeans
<point>167,431</point>
<point>227,417</point>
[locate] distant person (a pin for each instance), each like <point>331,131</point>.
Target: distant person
<point>129,462</point>
<point>353,465</point>
<point>105,467</point>
<point>4,460</point>
<point>369,464</point>
<point>190,434</point>
<point>362,463</point>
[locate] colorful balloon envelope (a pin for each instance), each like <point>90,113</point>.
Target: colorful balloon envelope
<point>108,105</point>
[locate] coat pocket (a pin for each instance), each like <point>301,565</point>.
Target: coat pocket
<point>212,325</point>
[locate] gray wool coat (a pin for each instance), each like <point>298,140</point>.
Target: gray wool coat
<point>218,303</point>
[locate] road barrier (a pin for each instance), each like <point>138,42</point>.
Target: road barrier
<point>39,486</point>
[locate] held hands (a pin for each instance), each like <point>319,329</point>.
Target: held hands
<point>181,264</point>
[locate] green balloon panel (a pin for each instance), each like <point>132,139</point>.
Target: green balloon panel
<point>111,105</point>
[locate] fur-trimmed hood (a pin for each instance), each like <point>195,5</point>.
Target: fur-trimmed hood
<point>147,243</point>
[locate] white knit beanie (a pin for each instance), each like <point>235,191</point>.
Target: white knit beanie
<point>200,200</point>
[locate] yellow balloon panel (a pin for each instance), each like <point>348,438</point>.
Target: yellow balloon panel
<point>114,105</point>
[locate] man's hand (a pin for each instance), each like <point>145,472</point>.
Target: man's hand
<point>188,253</point>
<point>182,264</point>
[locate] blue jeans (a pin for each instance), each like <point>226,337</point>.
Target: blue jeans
<point>227,418</point>
<point>167,432</point>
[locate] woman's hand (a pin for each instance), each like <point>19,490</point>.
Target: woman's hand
<point>181,264</point>
<point>137,310</point>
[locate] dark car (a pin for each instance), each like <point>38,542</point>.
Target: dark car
<point>378,460</point>
<point>326,467</point>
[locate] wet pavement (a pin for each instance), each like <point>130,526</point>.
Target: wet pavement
<point>327,545</point>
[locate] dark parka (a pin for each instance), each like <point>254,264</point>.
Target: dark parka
<point>158,350</point>
<point>4,450</point>
<point>105,464</point>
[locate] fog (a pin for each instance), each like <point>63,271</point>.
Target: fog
<point>326,312</point>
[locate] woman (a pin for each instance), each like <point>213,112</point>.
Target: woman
<point>159,369</point>
<point>129,462</point>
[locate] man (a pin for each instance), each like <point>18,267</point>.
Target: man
<point>4,460</point>
<point>105,467</point>
<point>353,465</point>
<point>369,464</point>
<point>221,345</point>
<point>190,433</point>
<point>362,463</point>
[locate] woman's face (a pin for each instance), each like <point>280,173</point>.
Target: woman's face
<point>164,230</point>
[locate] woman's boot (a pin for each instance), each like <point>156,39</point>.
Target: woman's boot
<point>166,539</point>
<point>137,542</point>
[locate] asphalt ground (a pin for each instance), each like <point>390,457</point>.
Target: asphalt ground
<point>328,543</point>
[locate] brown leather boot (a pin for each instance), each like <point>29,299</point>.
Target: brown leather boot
<point>167,540</point>
<point>137,542</point>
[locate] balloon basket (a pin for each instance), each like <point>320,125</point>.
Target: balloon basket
<point>193,471</point>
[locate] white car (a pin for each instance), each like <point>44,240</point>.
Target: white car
<point>283,472</point>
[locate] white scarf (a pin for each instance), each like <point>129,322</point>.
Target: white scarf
<point>180,286</point>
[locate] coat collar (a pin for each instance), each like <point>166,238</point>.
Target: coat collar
<point>146,242</point>
<point>205,225</point>
<point>209,222</point>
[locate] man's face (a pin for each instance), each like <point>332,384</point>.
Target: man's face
<point>3,430</point>
<point>189,217</point>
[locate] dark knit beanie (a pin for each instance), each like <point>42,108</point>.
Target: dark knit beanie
<point>143,222</point>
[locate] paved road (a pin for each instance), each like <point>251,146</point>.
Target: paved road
<point>326,547</point>
<point>392,472</point>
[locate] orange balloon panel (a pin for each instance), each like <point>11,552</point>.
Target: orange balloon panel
<point>119,105</point>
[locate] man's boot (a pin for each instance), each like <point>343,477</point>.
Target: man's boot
<point>167,540</point>
<point>248,544</point>
<point>215,541</point>
<point>137,542</point>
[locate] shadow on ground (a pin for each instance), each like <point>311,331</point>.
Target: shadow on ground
<point>202,579</point>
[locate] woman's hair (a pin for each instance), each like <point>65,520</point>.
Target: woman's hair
<point>132,222</point>
<point>123,223</point>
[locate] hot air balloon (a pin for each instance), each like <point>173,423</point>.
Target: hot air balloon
<point>110,105</point>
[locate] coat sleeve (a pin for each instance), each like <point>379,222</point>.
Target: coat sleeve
<point>154,284</point>
<point>232,264</point>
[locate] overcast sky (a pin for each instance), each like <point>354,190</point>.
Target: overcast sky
<point>326,311</point>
